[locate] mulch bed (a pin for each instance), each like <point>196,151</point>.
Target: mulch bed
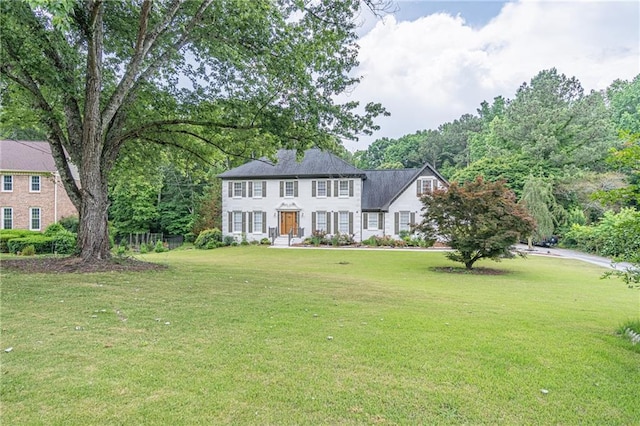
<point>474,271</point>
<point>62,265</point>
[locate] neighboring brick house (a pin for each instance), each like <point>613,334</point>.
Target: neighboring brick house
<point>31,193</point>
<point>321,192</point>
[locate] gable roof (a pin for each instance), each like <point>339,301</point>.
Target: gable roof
<point>28,156</point>
<point>383,186</point>
<point>315,163</point>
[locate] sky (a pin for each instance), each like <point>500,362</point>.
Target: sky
<point>430,62</point>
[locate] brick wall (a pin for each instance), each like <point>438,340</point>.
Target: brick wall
<point>21,199</point>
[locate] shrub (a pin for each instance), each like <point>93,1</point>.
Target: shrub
<point>208,239</point>
<point>265,242</point>
<point>28,251</point>
<point>64,242</point>
<point>9,234</point>
<point>317,238</point>
<point>70,223</point>
<point>616,235</point>
<point>53,229</point>
<point>189,237</point>
<point>230,240</point>
<point>159,247</point>
<point>41,244</point>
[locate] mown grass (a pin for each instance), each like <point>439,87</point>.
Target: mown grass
<point>252,335</point>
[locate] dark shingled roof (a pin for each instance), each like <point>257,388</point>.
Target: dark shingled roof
<point>316,163</point>
<point>382,186</point>
<point>28,156</point>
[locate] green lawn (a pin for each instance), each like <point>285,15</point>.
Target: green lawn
<point>252,335</point>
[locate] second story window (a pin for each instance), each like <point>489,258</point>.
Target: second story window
<point>344,188</point>
<point>288,189</point>
<point>34,184</point>
<point>322,188</point>
<point>425,186</point>
<point>237,189</point>
<point>7,183</point>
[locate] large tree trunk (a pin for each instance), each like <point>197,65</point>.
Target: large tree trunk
<point>93,232</point>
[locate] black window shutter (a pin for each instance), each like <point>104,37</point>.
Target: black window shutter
<point>230,189</point>
<point>351,188</point>
<point>396,228</point>
<point>365,220</point>
<point>295,188</point>
<point>328,230</point>
<point>244,222</point>
<point>313,221</point>
<point>418,189</point>
<point>281,189</point>
<point>250,189</point>
<point>336,188</point>
<point>328,188</point>
<point>381,221</point>
<point>244,189</point>
<point>413,218</point>
<point>336,224</point>
<point>350,222</point>
<point>313,188</point>
<point>230,221</point>
<point>250,222</point>
<point>264,188</point>
<point>264,222</point>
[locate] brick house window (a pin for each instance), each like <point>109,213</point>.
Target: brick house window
<point>7,218</point>
<point>34,184</point>
<point>7,183</point>
<point>34,218</point>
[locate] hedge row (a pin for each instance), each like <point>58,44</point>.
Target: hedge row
<point>61,242</point>
<point>9,234</point>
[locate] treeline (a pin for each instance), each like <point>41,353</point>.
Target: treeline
<point>579,147</point>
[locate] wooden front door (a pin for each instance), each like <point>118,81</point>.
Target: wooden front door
<point>288,221</point>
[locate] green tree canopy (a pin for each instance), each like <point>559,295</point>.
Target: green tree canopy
<point>233,76</point>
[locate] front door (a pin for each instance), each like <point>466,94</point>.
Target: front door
<point>288,221</point>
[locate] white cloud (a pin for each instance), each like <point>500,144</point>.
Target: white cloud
<point>436,68</point>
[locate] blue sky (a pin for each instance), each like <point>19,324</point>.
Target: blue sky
<point>432,61</point>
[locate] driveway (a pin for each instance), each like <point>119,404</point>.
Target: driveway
<point>572,254</point>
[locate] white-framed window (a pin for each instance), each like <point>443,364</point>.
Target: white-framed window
<point>372,221</point>
<point>237,221</point>
<point>321,221</point>
<point>321,188</point>
<point>34,184</point>
<point>257,222</point>
<point>426,186</point>
<point>237,189</point>
<point>343,189</point>
<point>7,183</point>
<point>343,222</point>
<point>34,219</point>
<point>405,220</point>
<point>289,189</point>
<point>257,190</point>
<point>7,218</point>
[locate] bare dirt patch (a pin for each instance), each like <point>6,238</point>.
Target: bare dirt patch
<point>474,271</point>
<point>65,265</point>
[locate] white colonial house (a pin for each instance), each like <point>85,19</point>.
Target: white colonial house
<point>321,192</point>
